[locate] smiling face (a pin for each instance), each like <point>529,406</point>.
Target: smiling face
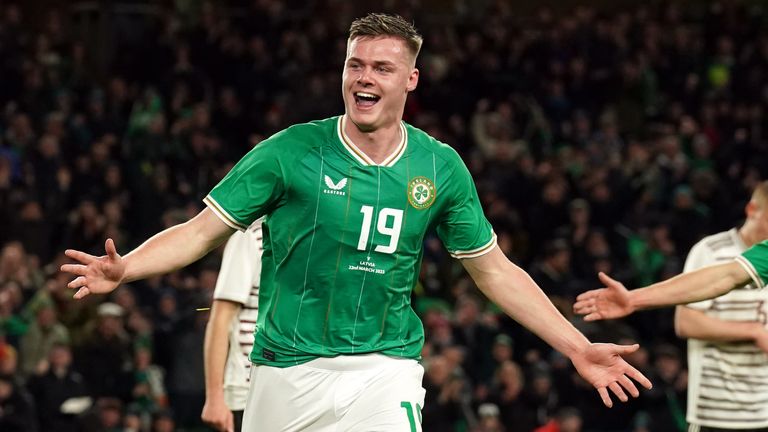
<point>379,72</point>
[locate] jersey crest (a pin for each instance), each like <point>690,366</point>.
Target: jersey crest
<point>421,193</point>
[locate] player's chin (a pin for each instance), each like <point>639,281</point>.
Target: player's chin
<point>366,121</point>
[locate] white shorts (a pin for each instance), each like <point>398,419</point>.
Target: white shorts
<point>361,393</point>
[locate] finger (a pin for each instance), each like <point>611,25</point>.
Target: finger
<point>605,396</point>
<point>109,246</point>
<point>79,256</point>
<point>639,377</point>
<point>583,309</point>
<point>82,292</point>
<point>594,316</point>
<point>607,280</point>
<point>626,349</point>
<point>618,391</point>
<point>78,269</point>
<point>78,282</point>
<point>629,386</point>
<point>587,296</point>
<point>581,303</point>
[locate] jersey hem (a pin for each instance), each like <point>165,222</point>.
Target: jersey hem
<point>222,214</point>
<point>735,426</point>
<point>474,253</point>
<point>230,299</point>
<point>304,359</point>
<point>751,271</point>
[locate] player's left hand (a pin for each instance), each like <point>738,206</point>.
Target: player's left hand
<point>603,367</point>
<point>610,302</point>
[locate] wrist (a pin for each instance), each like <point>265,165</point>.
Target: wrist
<point>757,330</point>
<point>635,301</point>
<point>578,348</point>
<point>214,392</point>
<point>127,277</point>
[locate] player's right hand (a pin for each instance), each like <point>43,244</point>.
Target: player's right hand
<point>217,415</point>
<point>610,302</point>
<point>95,275</point>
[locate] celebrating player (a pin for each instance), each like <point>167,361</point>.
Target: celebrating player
<point>348,201</point>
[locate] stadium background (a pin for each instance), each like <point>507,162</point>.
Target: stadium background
<point>602,136</point>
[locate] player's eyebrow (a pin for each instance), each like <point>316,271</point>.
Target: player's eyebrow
<point>375,62</point>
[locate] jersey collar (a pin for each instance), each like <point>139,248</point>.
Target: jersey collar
<point>362,157</point>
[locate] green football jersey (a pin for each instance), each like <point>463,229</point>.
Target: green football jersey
<point>343,237</point>
<point>755,262</point>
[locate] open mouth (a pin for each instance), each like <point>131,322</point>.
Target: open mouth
<point>365,100</point>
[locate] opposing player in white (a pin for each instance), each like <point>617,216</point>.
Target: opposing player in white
<point>727,337</point>
<point>229,333</point>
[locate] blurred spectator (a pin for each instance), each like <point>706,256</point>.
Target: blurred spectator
<point>488,419</point>
<point>567,419</point>
<point>17,411</point>
<point>666,402</point>
<point>163,422</point>
<point>59,392</point>
<point>9,359</point>
<point>42,334</point>
<point>104,357</point>
<point>106,416</point>
<point>186,379</point>
<point>507,393</point>
<point>442,403</point>
<point>475,336</point>
<point>149,394</point>
<point>553,273</point>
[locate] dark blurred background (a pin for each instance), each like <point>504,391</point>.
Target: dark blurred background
<point>603,136</point>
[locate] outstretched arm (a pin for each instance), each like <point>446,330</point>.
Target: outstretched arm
<point>615,301</point>
<point>169,250</point>
<point>517,294</point>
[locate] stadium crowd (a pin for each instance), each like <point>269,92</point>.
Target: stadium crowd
<point>600,140</point>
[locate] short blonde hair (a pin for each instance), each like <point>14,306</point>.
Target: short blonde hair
<point>760,194</point>
<point>380,24</point>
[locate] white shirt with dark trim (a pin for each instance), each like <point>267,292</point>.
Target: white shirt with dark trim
<point>238,282</point>
<point>728,381</point>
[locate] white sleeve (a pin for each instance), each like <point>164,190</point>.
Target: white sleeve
<point>237,270</point>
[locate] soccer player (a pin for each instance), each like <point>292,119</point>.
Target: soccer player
<point>229,332</point>
<point>348,201</point>
<point>723,357</point>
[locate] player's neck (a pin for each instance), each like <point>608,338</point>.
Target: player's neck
<point>747,235</point>
<point>378,145</point>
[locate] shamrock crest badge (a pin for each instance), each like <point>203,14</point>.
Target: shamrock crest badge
<point>421,193</point>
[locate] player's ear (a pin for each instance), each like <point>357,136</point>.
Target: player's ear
<point>751,208</point>
<point>413,80</point>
